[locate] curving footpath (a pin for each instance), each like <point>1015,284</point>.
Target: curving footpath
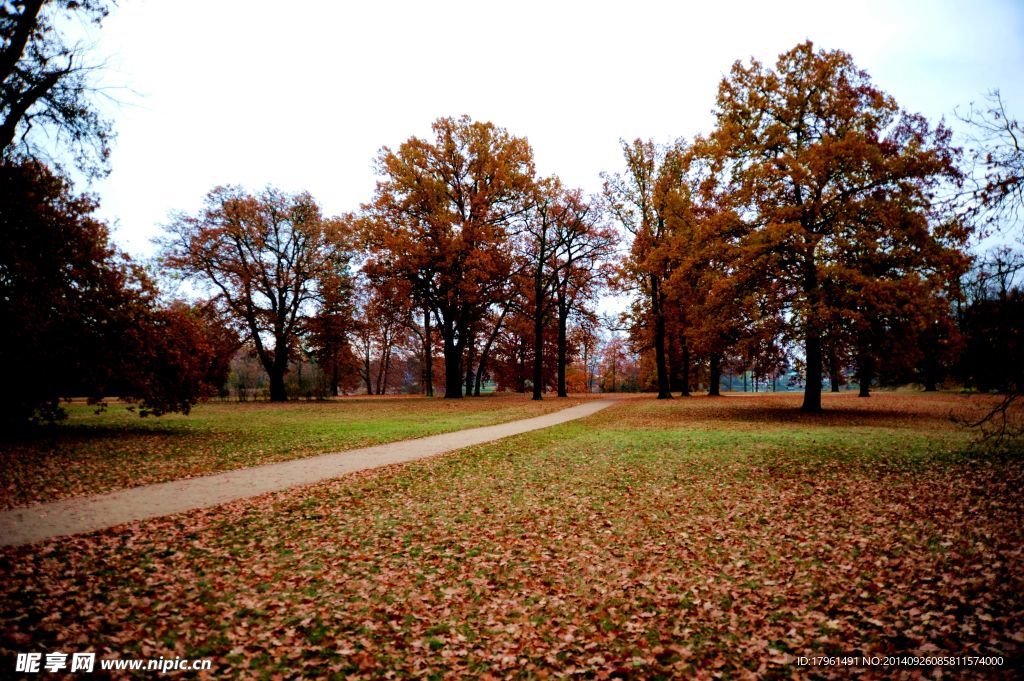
<point>87,514</point>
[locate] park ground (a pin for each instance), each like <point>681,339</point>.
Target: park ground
<point>720,537</point>
<point>100,450</point>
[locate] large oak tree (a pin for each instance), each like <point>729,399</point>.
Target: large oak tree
<point>441,220</point>
<point>263,256</point>
<point>807,152</point>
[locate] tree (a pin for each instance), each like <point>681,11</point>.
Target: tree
<point>182,353</point>
<point>561,249</point>
<point>46,84</point>
<point>639,199</point>
<point>618,371</point>
<point>997,152</point>
<point>82,319</point>
<point>582,268</point>
<point>890,290</point>
<point>807,153</point>
<point>381,329</point>
<point>732,322</point>
<point>540,251</point>
<point>992,325</point>
<point>494,324</point>
<point>997,142</point>
<point>262,256</point>
<point>441,220</point>
<point>332,328</point>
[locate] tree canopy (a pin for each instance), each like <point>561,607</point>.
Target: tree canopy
<point>83,319</point>
<point>263,258</point>
<point>835,186</point>
<point>441,219</point>
<point>47,87</point>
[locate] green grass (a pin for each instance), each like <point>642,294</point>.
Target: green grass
<point>91,453</point>
<point>652,540</point>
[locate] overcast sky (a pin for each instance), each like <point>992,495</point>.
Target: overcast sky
<point>303,95</point>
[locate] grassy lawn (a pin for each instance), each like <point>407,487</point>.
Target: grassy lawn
<point>652,540</point>
<point>91,453</point>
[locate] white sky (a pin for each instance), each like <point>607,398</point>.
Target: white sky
<point>303,95</point>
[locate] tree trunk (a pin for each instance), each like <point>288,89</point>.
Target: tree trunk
<point>428,354</point>
<point>586,366</point>
<point>470,346</point>
<point>366,371</point>
<point>452,363</point>
<point>659,340</point>
<point>486,352</point>
<point>480,368</point>
<point>382,380</point>
<point>685,371</point>
<point>931,371</point>
<point>382,367</point>
<point>812,388</point>
<point>812,341</point>
<point>538,351</point>
<point>276,373</point>
<point>714,389</point>
<point>865,372</point>
<point>673,356</point>
<point>521,373</point>
<point>273,363</point>
<point>563,321</point>
<point>835,377</point>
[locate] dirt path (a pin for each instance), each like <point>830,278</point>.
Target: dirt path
<point>86,514</point>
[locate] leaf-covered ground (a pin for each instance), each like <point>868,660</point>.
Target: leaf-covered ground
<point>92,453</point>
<point>699,537</point>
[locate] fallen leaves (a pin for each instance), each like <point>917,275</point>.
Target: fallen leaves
<point>93,453</point>
<point>684,546</point>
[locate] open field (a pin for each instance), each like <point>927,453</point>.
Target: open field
<point>652,540</point>
<point>92,453</point>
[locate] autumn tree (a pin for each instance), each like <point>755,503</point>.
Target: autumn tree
<point>582,268</point>
<point>82,319</point>
<point>731,322</point>
<point>180,353</point>
<point>890,290</point>
<point>562,251</point>
<point>588,343</point>
<point>617,368</point>
<point>512,355</point>
<point>541,245</point>
<point>491,327</point>
<point>807,152</point>
<point>47,86</point>
<point>441,220</point>
<point>638,199</point>
<point>262,256</point>
<point>330,331</point>
<point>381,329</point>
